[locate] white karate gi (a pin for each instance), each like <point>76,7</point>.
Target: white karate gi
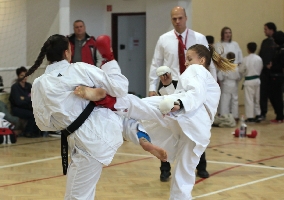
<point>251,69</point>
<point>55,107</point>
<point>166,53</point>
<point>226,47</point>
<point>187,130</point>
<point>229,101</point>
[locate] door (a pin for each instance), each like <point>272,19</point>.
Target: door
<point>130,50</point>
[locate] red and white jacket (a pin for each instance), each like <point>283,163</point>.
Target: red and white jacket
<point>89,53</point>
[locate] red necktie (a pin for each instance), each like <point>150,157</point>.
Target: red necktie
<point>181,55</point>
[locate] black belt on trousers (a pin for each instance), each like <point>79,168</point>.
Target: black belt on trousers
<point>71,129</point>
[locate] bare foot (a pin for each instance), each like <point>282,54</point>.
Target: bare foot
<point>155,150</point>
<point>92,94</point>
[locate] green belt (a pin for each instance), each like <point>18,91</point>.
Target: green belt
<point>251,77</point>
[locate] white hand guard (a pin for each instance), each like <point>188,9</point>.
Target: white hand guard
<point>166,105</point>
<point>162,70</point>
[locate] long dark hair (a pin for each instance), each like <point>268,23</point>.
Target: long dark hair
<point>53,49</point>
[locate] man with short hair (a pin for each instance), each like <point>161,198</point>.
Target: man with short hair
<point>167,54</point>
<point>83,46</point>
<point>166,51</point>
<point>266,53</point>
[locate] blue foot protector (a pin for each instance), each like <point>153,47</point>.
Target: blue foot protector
<point>141,134</point>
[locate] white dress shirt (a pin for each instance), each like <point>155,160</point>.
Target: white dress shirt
<point>166,53</point>
<point>227,47</point>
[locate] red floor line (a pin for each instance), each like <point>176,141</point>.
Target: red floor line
<point>19,183</point>
<point>223,170</point>
<point>263,145</point>
<point>35,180</point>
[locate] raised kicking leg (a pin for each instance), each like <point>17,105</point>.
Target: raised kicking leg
<point>145,142</point>
<point>141,137</point>
<point>92,94</point>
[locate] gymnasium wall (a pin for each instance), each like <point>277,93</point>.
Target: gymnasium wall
<point>246,18</point>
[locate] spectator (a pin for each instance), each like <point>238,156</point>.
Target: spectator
<point>21,104</point>
<point>251,69</point>
<point>83,46</point>
<point>276,77</point>
<point>229,102</point>
<point>10,118</point>
<point>225,46</point>
<point>266,53</point>
<point>228,45</point>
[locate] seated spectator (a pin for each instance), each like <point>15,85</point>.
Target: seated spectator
<point>21,104</point>
<point>9,117</point>
<point>1,85</point>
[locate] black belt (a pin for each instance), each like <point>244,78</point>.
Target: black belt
<point>71,129</point>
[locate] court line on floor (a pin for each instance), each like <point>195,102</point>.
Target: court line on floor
<point>51,177</point>
<point>217,145</point>
<point>146,157</point>
<point>21,144</point>
<point>262,145</point>
<point>30,162</point>
<point>236,166</point>
<point>150,156</point>
<point>245,165</point>
<point>58,157</point>
<point>238,186</point>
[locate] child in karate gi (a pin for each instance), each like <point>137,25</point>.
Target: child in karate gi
<point>229,102</point>
<point>251,69</point>
<point>55,107</point>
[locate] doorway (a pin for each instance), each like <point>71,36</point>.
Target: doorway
<point>129,47</point>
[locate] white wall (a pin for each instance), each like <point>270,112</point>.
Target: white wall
<point>25,25</point>
<point>12,37</point>
<point>91,12</point>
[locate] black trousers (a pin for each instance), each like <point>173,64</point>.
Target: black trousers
<point>271,88</point>
<point>276,95</point>
<point>28,115</point>
<point>200,167</point>
<point>264,93</point>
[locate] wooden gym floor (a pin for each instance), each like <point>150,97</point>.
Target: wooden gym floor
<point>240,169</point>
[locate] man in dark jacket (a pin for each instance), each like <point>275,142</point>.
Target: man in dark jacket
<point>266,53</point>
<point>83,46</point>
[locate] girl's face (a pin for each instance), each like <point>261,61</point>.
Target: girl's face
<point>227,35</point>
<point>68,54</point>
<point>193,58</point>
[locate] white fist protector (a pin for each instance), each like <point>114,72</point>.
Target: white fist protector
<point>162,70</point>
<point>166,105</point>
